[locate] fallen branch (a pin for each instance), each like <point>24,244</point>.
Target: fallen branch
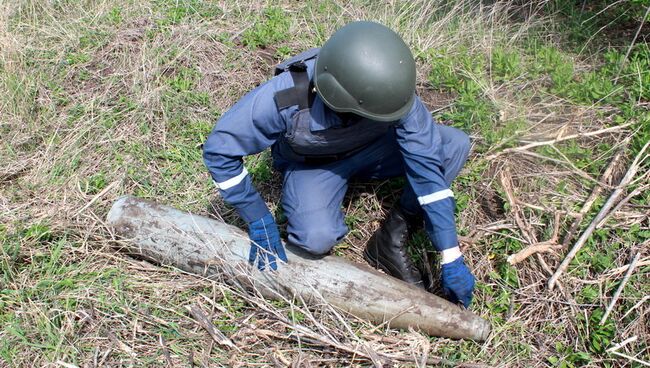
<point>624,201</point>
<point>635,306</point>
<point>604,211</point>
<point>586,206</point>
<point>618,292</point>
<point>165,350</point>
<point>506,184</point>
<point>629,49</point>
<point>618,270</point>
<point>98,196</point>
<point>559,139</point>
<point>526,230</point>
<point>631,358</point>
<point>544,247</point>
<point>205,322</point>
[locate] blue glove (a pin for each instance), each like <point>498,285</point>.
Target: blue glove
<point>458,282</point>
<point>265,242</point>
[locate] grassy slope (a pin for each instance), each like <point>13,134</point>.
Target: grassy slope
<point>105,98</point>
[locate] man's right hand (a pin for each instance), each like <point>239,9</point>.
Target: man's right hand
<point>265,243</point>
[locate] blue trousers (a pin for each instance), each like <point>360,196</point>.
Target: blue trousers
<point>312,195</point>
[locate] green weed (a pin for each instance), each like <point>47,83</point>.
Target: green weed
<point>77,58</point>
<point>600,336</point>
<point>506,65</point>
<point>260,166</point>
<point>269,28</point>
<point>177,11</point>
<point>568,357</point>
<point>71,89</point>
<point>115,16</point>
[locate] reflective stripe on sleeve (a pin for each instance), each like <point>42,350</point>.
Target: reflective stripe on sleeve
<point>232,181</point>
<point>450,255</point>
<point>434,197</point>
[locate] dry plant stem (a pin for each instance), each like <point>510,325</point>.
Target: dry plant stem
<point>165,350</point>
<point>623,202</point>
<point>631,358</point>
<point>506,183</point>
<point>527,232</point>
<point>576,215</point>
<point>315,339</point>
<point>629,49</point>
<point>205,322</point>
<point>586,207</point>
<point>543,247</point>
<point>623,343</point>
<point>121,345</point>
<point>558,139</point>
<point>566,164</point>
<point>547,246</point>
<point>98,196</point>
<point>534,247</point>
<point>618,270</point>
<point>619,290</point>
<point>634,167</point>
<point>304,334</point>
<point>637,305</point>
<point>66,365</point>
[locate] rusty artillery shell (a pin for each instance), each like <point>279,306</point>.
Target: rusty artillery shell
<point>214,249</point>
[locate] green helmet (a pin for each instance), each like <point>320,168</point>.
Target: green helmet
<point>365,68</point>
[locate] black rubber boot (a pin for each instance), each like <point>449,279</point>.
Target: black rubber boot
<point>386,249</point>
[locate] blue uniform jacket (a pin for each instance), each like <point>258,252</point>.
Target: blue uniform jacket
<point>254,124</point>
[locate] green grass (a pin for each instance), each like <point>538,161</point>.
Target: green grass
<point>99,93</point>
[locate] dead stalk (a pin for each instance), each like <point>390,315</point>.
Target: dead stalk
<point>604,211</point>
<point>617,294</point>
<point>559,139</point>
<point>202,319</point>
<point>605,178</point>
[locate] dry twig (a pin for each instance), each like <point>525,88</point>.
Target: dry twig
<point>615,271</point>
<point>543,247</point>
<point>205,322</point>
<point>617,294</point>
<point>604,211</point>
<point>635,306</point>
<point>534,247</point>
<point>547,246</point>
<point>629,49</point>
<point>624,201</point>
<point>586,206</point>
<point>559,139</point>
<point>165,350</point>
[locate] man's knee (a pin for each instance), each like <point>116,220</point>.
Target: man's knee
<point>317,240</point>
<point>460,144</point>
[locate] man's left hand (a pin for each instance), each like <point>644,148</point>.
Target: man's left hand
<point>458,282</point>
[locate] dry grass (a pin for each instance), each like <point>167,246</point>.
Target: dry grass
<point>96,103</point>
